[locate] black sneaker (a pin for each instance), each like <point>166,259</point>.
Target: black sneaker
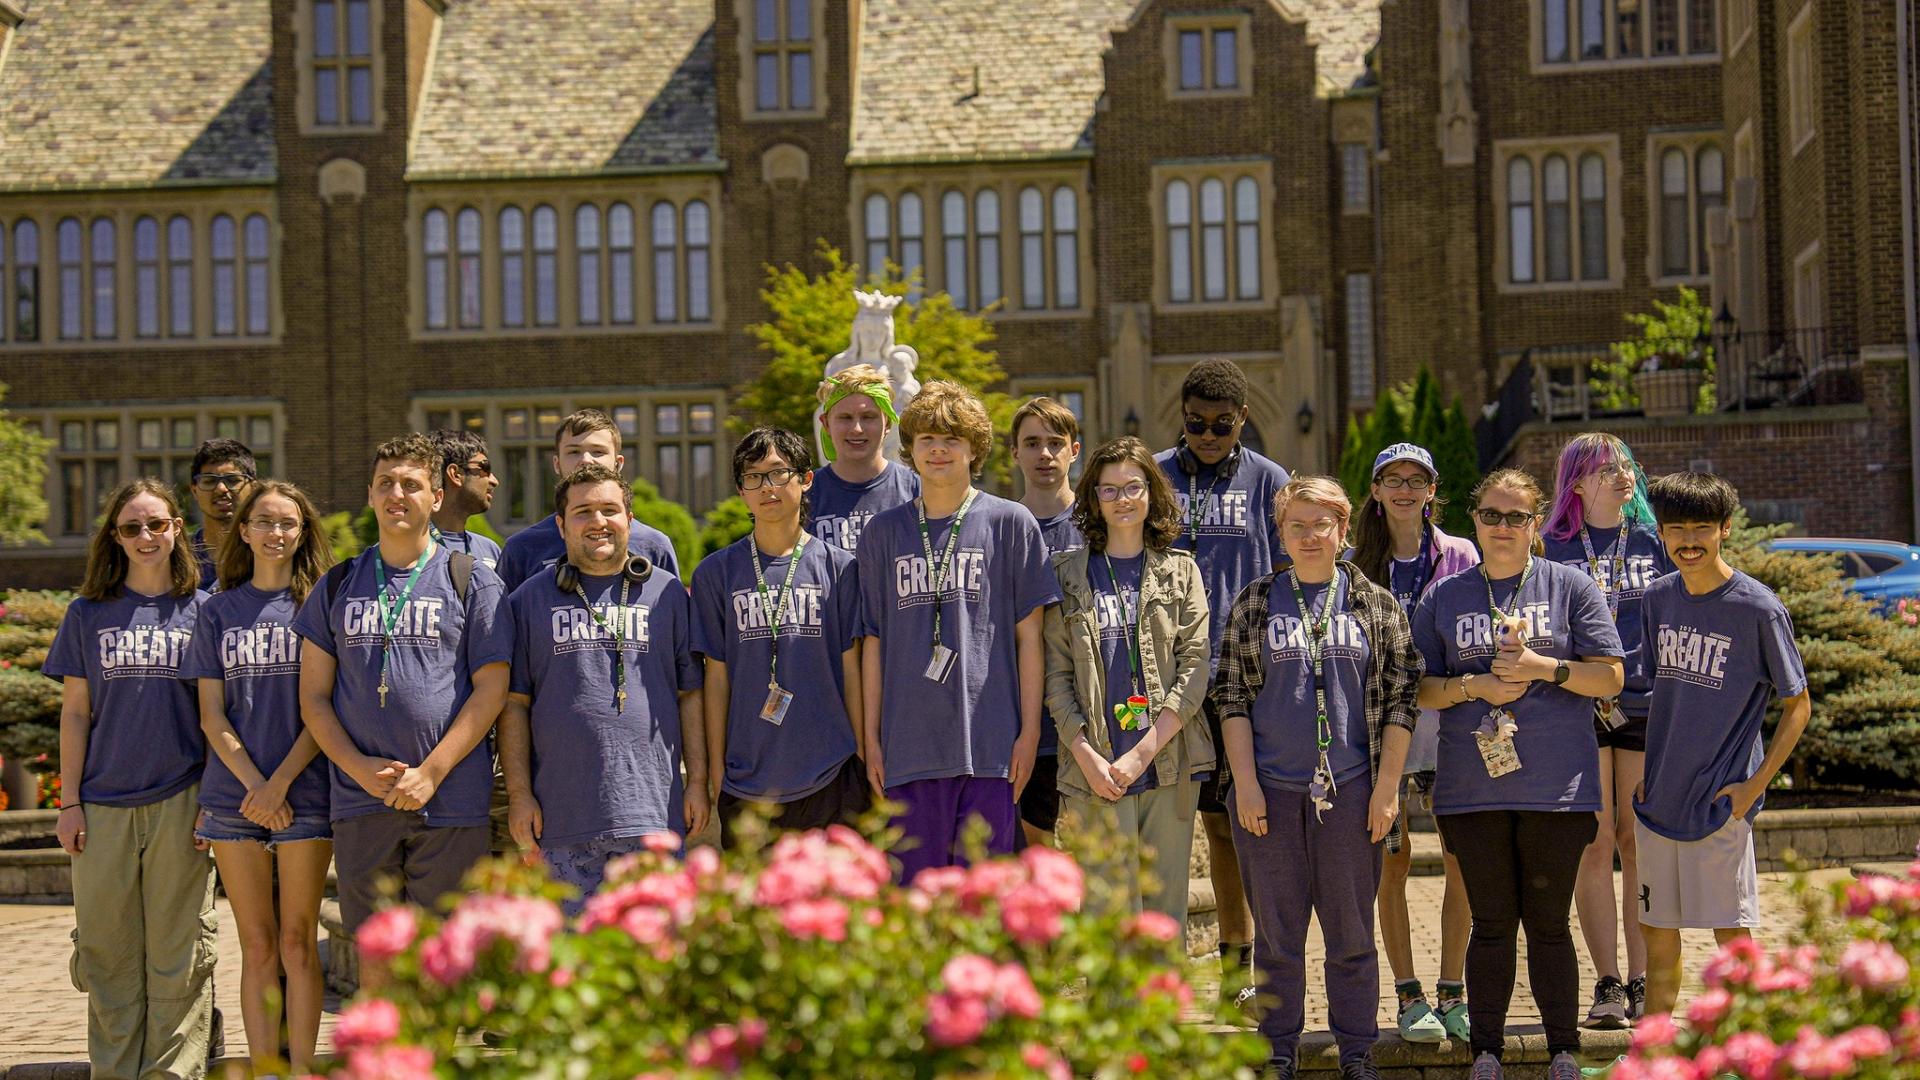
<point>1280,1068</point>
<point>1636,997</point>
<point>1609,1011</point>
<point>1363,1069</point>
<point>217,1039</point>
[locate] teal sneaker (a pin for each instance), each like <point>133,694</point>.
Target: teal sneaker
<point>1418,1024</point>
<point>1453,1017</point>
<point>1603,1070</point>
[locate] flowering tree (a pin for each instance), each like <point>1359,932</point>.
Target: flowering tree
<point>805,961</point>
<point>1841,1002</point>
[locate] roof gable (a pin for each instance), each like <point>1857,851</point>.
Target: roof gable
<point>137,93</point>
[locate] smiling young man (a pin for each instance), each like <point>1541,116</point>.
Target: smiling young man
<point>1045,438</point>
<point>1226,493</point>
<point>777,616</point>
<point>1720,646</point>
<point>222,469</point>
<point>404,677</point>
<point>587,435</point>
<point>856,408</point>
<point>605,700</point>
<point>954,587</point>
<point>470,484</point>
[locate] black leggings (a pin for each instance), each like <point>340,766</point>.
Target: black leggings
<point>1519,867</point>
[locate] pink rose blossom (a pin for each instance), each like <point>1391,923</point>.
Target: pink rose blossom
<point>953,1020</point>
<point>1909,1033</point>
<point>529,923</point>
<point>1733,965</point>
<point>1170,983</point>
<point>1817,1058</point>
<point>1870,892</point>
<point>386,934</point>
<point>560,978</point>
<point>753,1032</point>
<point>719,1048</point>
<point>447,959</point>
<point>389,1063</point>
<point>1873,965</point>
<point>703,862</point>
<point>873,916</point>
<point>1672,1068</point>
<point>368,1022</point>
<point>1057,874</point>
<point>1153,925</point>
<point>1752,1054</point>
<point>1630,1067</point>
<point>816,918</point>
<point>1707,1010</point>
<point>1782,979</point>
<point>1711,1061</point>
<point>1030,915</point>
<point>969,975</point>
<point>1867,1041</point>
<point>1014,993</point>
<point>1654,1032</point>
<point>991,880</point>
<point>939,880</point>
<point>661,843</point>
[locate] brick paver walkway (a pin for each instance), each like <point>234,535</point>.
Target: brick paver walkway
<point>42,1018</point>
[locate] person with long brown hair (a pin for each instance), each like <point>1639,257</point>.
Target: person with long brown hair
<point>263,796</point>
<point>1516,651</point>
<point>130,763</point>
<point>1124,684</point>
<point>1400,548</point>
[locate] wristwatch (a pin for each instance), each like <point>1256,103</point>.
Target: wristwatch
<point>1561,672</point>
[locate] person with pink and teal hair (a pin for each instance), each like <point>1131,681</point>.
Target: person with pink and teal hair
<point>1601,523</point>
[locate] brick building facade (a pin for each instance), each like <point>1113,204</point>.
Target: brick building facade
<point>313,223</point>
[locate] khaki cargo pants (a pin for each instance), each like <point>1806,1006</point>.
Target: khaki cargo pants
<point>144,940</point>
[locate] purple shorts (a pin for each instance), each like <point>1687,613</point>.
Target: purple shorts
<point>934,822</point>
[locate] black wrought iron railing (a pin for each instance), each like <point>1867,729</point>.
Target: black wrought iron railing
<point>1749,370</point>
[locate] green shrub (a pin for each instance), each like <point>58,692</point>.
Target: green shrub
<point>725,523</point>
<point>670,518</point>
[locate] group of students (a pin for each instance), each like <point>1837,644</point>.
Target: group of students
<point>1193,631</point>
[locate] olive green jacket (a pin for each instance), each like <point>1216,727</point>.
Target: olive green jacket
<point>1174,661</point>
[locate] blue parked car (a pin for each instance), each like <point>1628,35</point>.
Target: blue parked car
<point>1884,571</point>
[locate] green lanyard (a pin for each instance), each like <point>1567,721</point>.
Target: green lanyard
<point>613,631</point>
<point>1500,616</point>
<point>1617,556</point>
<point>390,613</point>
<point>937,572</point>
<point>1136,614</point>
<point>776,607</point>
<point>1318,658</point>
<point>1196,509</point>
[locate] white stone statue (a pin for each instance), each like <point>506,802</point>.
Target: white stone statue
<point>872,343</point>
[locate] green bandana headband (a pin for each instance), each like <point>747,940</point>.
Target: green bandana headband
<point>879,392</point>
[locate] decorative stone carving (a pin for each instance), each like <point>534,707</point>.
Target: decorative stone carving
<point>872,343</point>
<point>784,163</point>
<point>342,178</point>
<point>1458,123</point>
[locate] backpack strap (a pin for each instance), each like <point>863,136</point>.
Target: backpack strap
<point>330,583</point>
<point>460,565</point>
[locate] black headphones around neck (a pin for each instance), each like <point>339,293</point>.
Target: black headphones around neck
<point>636,569</point>
<point>1189,462</point>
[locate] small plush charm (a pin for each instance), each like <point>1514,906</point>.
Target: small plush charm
<point>1321,791</point>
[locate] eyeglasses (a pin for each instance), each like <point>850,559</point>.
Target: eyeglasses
<point>1513,519</point>
<point>131,530</point>
<point>1221,426</point>
<point>1613,469</point>
<point>1130,491</point>
<point>753,481</point>
<point>213,481</point>
<point>268,525</point>
<point>1412,483</point>
<point>1321,530</point>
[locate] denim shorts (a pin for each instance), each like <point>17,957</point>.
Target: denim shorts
<point>225,828</point>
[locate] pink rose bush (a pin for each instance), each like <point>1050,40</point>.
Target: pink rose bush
<point>801,958</point>
<point>1842,1003</point>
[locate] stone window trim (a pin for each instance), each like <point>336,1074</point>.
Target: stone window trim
<point>682,428</point>
<point>97,447</point>
<point>931,190</point>
<point>253,269</point>
<point>1738,18</point>
<point>615,256</point>
<point>1809,283</point>
<point>1695,148</point>
<point>1537,151</point>
<point>306,95</point>
<point>1578,14</point>
<point>1196,173</point>
<point>1207,24</point>
<point>1803,81</point>
<point>816,45</point>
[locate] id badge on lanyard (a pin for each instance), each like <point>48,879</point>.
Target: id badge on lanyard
<point>941,664</point>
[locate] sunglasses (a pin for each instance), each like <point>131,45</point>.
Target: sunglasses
<point>1114,492</point>
<point>1513,519</point>
<point>1221,426</point>
<point>478,468</point>
<point>131,530</point>
<point>213,481</point>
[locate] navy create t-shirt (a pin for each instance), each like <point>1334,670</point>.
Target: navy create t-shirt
<point>483,548</point>
<point>1227,522</point>
<point>145,743</point>
<point>967,724</point>
<point>1646,561</point>
<point>800,755</point>
<point>838,510</point>
<point>1718,660</point>
<point>1116,594</point>
<point>1565,618</point>
<point>540,545</point>
<point>1060,534</point>
<point>437,643</point>
<point>245,638</point>
<point>1285,716</point>
<point>601,770</point>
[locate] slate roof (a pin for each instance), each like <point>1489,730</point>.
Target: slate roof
<point>1039,67</point>
<point>565,87</point>
<point>1344,31</point>
<point>123,93</point>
